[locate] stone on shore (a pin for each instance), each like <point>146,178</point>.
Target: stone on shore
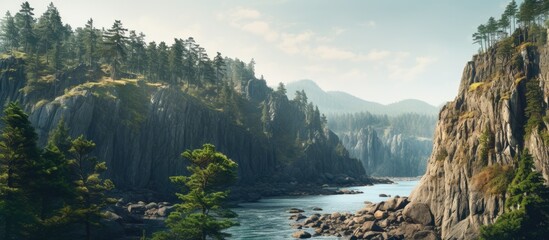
<point>301,234</point>
<point>418,213</point>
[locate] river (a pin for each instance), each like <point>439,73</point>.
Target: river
<point>268,218</point>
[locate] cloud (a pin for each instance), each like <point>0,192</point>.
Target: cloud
<point>295,43</point>
<point>260,28</point>
<point>403,73</point>
<point>244,14</point>
<point>333,53</point>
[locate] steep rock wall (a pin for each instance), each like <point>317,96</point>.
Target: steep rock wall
<point>388,154</point>
<point>141,129</point>
<point>492,95</point>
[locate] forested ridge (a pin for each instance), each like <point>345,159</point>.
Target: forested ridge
<point>142,104</point>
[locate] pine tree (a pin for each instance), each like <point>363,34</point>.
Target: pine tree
<point>511,13</point>
<point>25,21</point>
<point>50,32</point>
<point>526,209</point>
<point>176,61</point>
<point>19,157</point>
<point>201,214</point>
<point>219,66</point>
<point>90,188</point>
<point>9,34</point>
<point>115,47</point>
<point>90,42</point>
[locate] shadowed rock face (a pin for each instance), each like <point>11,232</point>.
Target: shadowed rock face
<point>492,95</point>
<point>141,129</point>
<point>393,155</point>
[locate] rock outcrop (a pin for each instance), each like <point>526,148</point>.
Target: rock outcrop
<point>141,128</point>
<point>388,154</point>
<point>483,129</point>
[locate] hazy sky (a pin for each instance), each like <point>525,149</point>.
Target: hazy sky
<point>378,50</point>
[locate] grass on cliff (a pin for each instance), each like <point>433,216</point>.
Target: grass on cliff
<point>475,86</point>
<point>16,54</point>
<point>493,179</point>
<point>133,95</point>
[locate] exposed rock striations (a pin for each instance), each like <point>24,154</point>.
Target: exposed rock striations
<point>141,128</point>
<point>481,130</point>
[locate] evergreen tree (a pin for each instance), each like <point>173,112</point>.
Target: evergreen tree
<point>50,32</point>
<point>201,214</point>
<point>152,63</point>
<point>9,34</point>
<point>219,66</point>
<point>19,157</point>
<point>527,208</point>
<point>163,62</point>
<point>176,61</point>
<point>25,21</point>
<point>90,42</point>
<point>136,52</point>
<point>90,188</point>
<point>511,13</point>
<point>281,89</point>
<point>115,47</point>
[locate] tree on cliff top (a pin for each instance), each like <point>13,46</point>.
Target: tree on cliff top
<point>115,47</point>
<point>201,214</point>
<point>526,209</point>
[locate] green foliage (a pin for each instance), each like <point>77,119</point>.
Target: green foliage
<point>486,145</point>
<point>19,174</point>
<point>9,34</point>
<point>90,187</point>
<point>201,214</point>
<point>526,209</point>
<point>114,47</point>
<point>534,107</point>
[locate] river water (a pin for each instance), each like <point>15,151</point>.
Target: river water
<point>268,218</point>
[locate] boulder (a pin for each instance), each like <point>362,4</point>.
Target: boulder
<point>295,210</point>
<point>317,209</point>
<point>425,235</point>
<point>371,235</point>
<point>380,214</point>
<point>408,230</point>
<point>136,208</point>
<point>370,226</point>
<point>297,217</point>
<point>418,213</point>
<point>151,205</point>
<point>301,234</point>
<point>401,203</point>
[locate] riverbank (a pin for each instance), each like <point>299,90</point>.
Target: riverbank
<point>268,218</point>
<point>253,193</point>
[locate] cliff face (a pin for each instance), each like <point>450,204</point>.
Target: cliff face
<point>490,105</point>
<point>388,154</point>
<point>141,128</point>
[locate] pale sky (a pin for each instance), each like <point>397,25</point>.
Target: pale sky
<point>378,50</point>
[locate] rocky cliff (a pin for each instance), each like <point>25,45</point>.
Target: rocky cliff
<point>388,154</point>
<point>394,146</point>
<point>141,128</point>
<point>480,133</point>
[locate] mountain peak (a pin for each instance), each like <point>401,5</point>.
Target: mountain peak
<point>335,102</point>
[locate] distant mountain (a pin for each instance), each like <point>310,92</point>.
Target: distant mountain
<point>334,102</point>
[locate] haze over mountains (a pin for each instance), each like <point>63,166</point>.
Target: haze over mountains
<point>335,102</point>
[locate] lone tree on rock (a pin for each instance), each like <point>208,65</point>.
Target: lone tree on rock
<point>201,215</point>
